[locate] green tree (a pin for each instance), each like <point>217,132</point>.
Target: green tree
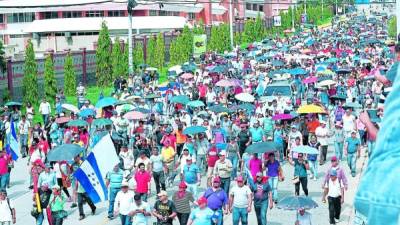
<point>3,65</point>
<point>259,28</point>
<point>237,38</point>
<point>159,54</point>
<point>151,49</point>
<point>103,57</point>
<point>69,76</point>
<point>214,39</point>
<point>30,84</point>
<point>138,55</point>
<point>125,60</point>
<point>392,23</point>
<point>50,83</point>
<point>248,32</point>
<point>174,58</point>
<point>117,59</point>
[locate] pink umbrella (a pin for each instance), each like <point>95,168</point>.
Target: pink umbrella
<point>134,115</point>
<point>63,119</point>
<point>309,80</point>
<point>187,76</point>
<point>282,117</point>
<point>224,83</point>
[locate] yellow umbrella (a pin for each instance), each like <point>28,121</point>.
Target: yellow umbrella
<point>304,109</point>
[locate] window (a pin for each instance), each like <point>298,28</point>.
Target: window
<point>1,18</point>
<point>50,15</point>
<point>94,14</point>
<point>192,16</point>
<point>248,6</point>
<point>255,8</point>
<point>116,13</point>
<point>69,14</point>
<point>20,17</point>
<point>153,13</point>
<point>261,8</point>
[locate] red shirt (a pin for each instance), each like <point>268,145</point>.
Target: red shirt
<point>202,91</point>
<point>4,160</point>
<point>212,156</point>
<point>44,146</point>
<point>142,181</point>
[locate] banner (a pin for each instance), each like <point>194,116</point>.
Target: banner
<point>199,44</point>
<point>277,21</point>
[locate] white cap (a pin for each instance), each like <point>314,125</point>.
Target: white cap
<point>223,152</point>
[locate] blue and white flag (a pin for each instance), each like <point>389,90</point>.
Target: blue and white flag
<point>93,170</point>
<point>13,147</point>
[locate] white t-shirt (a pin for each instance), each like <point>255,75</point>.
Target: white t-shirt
<point>241,196</point>
<point>348,122</point>
<point>140,218</point>
<point>23,127</point>
<point>146,162</point>
<point>304,219</point>
<point>5,213</point>
<point>319,132</point>
<point>123,202</point>
<point>45,108</point>
<point>211,96</point>
<point>334,188</point>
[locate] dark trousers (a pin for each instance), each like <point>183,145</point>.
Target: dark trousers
<point>183,218</point>
<point>179,148</point>
<point>334,208</point>
<point>57,221</point>
<point>303,182</point>
<point>84,197</point>
<point>159,179</point>
<point>322,157</point>
<point>59,182</point>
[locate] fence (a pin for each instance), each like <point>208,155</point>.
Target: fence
<point>84,63</point>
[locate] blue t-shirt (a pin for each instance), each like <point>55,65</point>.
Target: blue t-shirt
<point>352,144</point>
<point>256,134</point>
<point>202,216</point>
<point>190,173</point>
<point>278,137</point>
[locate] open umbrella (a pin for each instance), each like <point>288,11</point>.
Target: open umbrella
<point>297,202</point>
<point>104,102</point>
<point>70,107</point>
<point>187,76</point>
<point>13,104</point>
<point>134,115</point>
<point>245,97</point>
<point>304,109</point>
<point>218,109</point>
<point>203,113</point>
<point>196,103</point>
<point>142,110</point>
<point>326,83</point>
<point>262,147</point>
<point>124,108</point>
<point>77,123</point>
<point>151,96</point>
<point>224,83</point>
<point>246,106</point>
<point>305,149</point>
<point>182,99</point>
<point>64,152</point>
<point>63,119</point>
<point>282,117</point>
<point>194,130</point>
<point>353,105</point>
<point>87,112</point>
<point>102,122</point>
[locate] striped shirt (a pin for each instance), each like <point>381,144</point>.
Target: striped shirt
<point>182,205</point>
<point>383,96</point>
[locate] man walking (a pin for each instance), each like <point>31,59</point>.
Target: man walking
<point>45,110</point>
<point>140,211</point>
<point>191,176</point>
<point>202,215</point>
<point>352,150</point>
<point>23,128</point>
<point>334,189</point>
<point>217,199</point>
<point>262,197</point>
<point>322,134</point>
<point>7,210</point>
<point>113,181</point>
<point>240,201</point>
<point>142,178</point>
<point>223,169</point>
<point>164,209</point>
<point>123,204</point>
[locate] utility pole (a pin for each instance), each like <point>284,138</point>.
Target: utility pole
<point>231,23</point>
<point>131,5</point>
<point>398,20</point>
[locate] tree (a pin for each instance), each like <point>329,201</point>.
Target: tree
<point>248,32</point>
<point>392,27</point>
<point>151,49</point>
<point>3,65</point>
<point>69,76</point>
<point>174,53</point>
<point>214,39</point>
<point>125,60</point>
<point>50,83</point>
<point>138,55</point>
<point>259,28</point>
<point>117,59</point>
<point>159,54</point>
<point>103,57</point>
<point>30,85</point>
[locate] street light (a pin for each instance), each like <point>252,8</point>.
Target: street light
<point>131,5</point>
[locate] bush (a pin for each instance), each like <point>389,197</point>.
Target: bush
<point>29,83</point>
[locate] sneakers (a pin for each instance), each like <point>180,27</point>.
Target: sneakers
<point>315,179</point>
<point>82,217</point>
<point>73,205</point>
<point>110,217</point>
<point>94,211</point>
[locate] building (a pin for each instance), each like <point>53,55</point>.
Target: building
<point>61,24</point>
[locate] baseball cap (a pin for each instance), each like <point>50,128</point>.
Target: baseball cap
<point>334,158</point>
<point>55,187</point>
<point>322,122</point>
<point>189,158</point>
<point>333,173</point>
<point>217,180</point>
<point>201,200</point>
<point>124,184</point>
<point>182,185</point>
<point>162,193</point>
<point>239,179</point>
<point>223,152</point>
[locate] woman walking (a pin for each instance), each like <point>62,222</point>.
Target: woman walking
<point>274,172</point>
<point>300,173</point>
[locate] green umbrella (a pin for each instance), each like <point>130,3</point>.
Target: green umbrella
<point>64,152</point>
<point>101,122</point>
<point>77,123</point>
<point>194,130</point>
<point>182,99</point>
<point>218,109</point>
<point>13,104</point>
<point>196,103</point>
<point>262,147</point>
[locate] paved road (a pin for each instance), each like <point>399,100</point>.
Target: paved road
<point>22,198</point>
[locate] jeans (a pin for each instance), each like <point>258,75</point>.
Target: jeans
<point>261,212</point>
<point>362,136</point>
<point>58,221</point>
<point>200,162</point>
<point>183,218</point>
<point>334,209</point>
<point>113,194</point>
<point>143,196</point>
<point>125,219</point>
<point>303,182</point>
<point>339,150</point>
<point>324,151</point>
<point>225,184</point>
<point>273,183</point>
<point>281,153</point>
<point>193,188</point>
<point>3,180</point>
<point>84,197</point>
<point>235,160</point>
<point>45,118</point>
<point>159,180</point>
<point>239,214</point>
<point>352,162</point>
<point>24,143</point>
<point>40,219</point>
<point>371,146</point>
<point>220,218</point>
<point>313,168</point>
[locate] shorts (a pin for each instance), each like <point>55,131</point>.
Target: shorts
<point>210,171</point>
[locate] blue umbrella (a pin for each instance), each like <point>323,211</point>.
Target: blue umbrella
<point>331,60</point>
<point>218,109</point>
<point>77,123</point>
<point>182,99</point>
<point>305,149</point>
<point>194,130</point>
<point>196,103</point>
<point>87,112</point>
<point>298,71</point>
<point>102,122</point>
<point>142,110</point>
<point>64,152</point>
<point>104,102</point>
<point>297,202</point>
<point>277,63</point>
<point>217,69</point>
<point>246,106</point>
<point>262,147</point>
<point>13,104</point>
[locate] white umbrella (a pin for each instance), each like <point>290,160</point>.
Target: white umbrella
<point>326,83</point>
<point>70,107</point>
<point>245,97</point>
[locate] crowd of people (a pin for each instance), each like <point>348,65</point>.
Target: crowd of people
<point>343,71</point>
